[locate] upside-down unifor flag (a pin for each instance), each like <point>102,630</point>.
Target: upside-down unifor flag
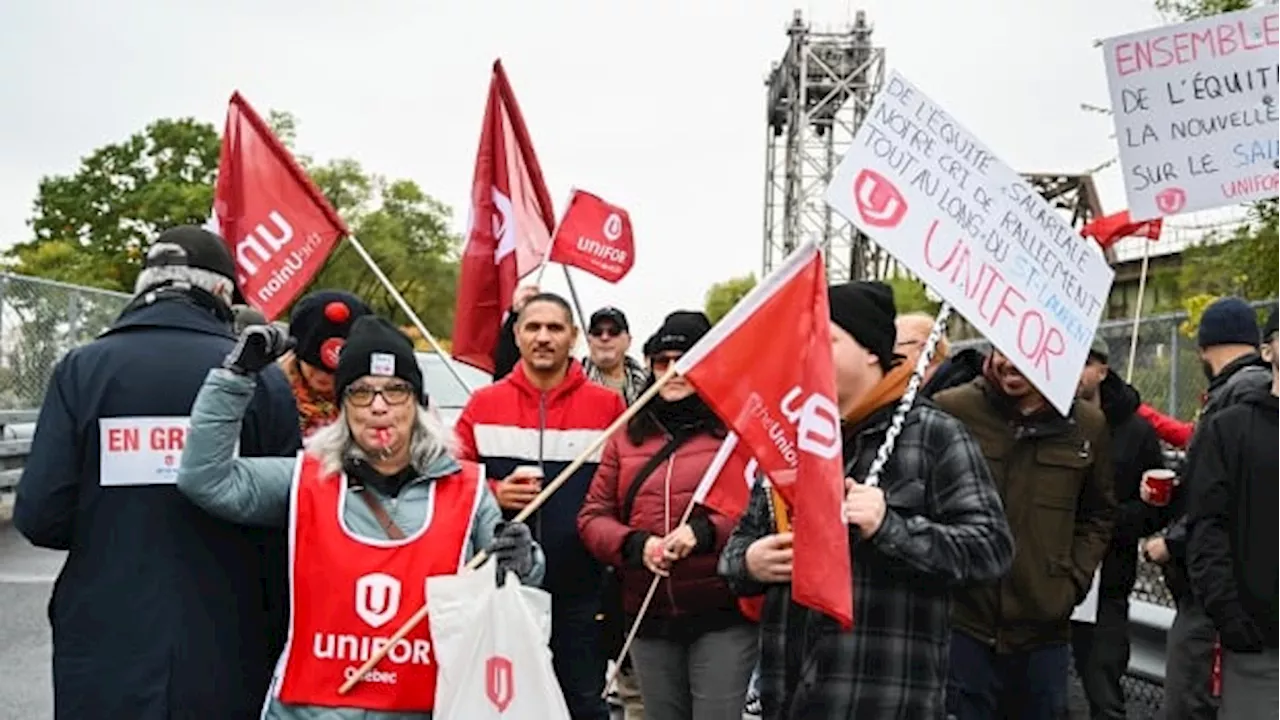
<point>725,488</point>
<point>509,229</point>
<point>595,236</point>
<point>1117,226</point>
<point>278,225</point>
<point>766,370</point>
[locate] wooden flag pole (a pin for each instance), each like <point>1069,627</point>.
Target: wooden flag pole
<point>404,305</point>
<point>524,514</point>
<point>635,624</point>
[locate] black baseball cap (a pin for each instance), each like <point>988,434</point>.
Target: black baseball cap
<point>611,314</point>
<point>195,247</point>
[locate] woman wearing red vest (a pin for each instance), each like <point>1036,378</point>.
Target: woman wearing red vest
<point>694,651</point>
<point>375,505</point>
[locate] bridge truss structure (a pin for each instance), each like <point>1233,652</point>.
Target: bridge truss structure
<point>817,97</point>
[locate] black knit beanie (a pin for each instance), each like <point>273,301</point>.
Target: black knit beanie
<point>1228,321</point>
<point>680,331</point>
<point>320,322</point>
<point>376,347</point>
<point>866,311</point>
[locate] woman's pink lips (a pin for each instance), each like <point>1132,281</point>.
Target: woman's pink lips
<point>384,436</point>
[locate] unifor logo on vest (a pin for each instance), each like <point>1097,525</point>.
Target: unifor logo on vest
<point>267,260</point>
<point>377,600</point>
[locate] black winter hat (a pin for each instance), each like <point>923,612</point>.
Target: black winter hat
<point>1228,321</point>
<point>376,347</point>
<point>866,311</point>
<point>680,331</point>
<point>191,246</point>
<point>320,322</point>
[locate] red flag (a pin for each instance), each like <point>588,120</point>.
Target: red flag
<point>595,236</point>
<point>1107,230</point>
<point>766,369</point>
<point>277,223</point>
<point>726,489</point>
<point>509,227</point>
<point>726,485</point>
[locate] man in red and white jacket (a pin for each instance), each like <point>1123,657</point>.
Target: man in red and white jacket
<point>526,428</point>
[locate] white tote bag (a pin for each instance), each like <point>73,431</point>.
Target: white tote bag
<point>491,649</point>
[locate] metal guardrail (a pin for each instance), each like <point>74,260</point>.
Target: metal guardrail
<point>1150,613</point>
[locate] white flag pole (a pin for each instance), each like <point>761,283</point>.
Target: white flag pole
<point>1137,311</point>
<point>404,305</point>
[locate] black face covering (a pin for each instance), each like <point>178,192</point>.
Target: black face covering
<point>1207,369</point>
<point>687,415</point>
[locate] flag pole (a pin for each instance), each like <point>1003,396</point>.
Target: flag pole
<point>404,305</point>
<point>1137,312</point>
<point>573,293</point>
<point>644,608</point>
<point>523,515</point>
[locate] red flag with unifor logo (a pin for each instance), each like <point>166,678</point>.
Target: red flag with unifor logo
<point>766,370</point>
<point>277,223</point>
<point>1109,229</point>
<point>595,236</point>
<point>509,228</point>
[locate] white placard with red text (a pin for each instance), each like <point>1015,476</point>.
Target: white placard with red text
<point>141,450</point>
<point>938,200</point>
<point>1196,107</point>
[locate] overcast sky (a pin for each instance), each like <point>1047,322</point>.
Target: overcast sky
<point>656,105</point>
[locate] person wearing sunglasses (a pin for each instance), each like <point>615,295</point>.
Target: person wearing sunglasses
<point>607,362</point>
<point>374,506</point>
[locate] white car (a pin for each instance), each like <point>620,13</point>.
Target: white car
<point>447,396</point>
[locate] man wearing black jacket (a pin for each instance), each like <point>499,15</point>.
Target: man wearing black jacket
<point>1228,341</point>
<point>1232,556</point>
<point>1101,649</point>
<point>161,610</point>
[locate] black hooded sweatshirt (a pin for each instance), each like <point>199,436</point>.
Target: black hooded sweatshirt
<point>1232,556</point>
<point>1135,448</point>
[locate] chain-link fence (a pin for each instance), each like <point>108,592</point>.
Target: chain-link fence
<point>39,321</point>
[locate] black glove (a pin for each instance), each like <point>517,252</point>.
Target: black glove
<point>259,346</point>
<point>512,550</point>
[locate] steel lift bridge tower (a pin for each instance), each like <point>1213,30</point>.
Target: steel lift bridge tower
<point>818,96</point>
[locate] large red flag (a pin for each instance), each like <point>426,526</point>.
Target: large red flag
<point>509,229</point>
<point>726,485</point>
<point>595,236</point>
<point>766,369</point>
<point>277,223</point>
<point>1107,230</point>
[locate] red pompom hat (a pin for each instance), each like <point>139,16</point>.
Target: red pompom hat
<point>319,324</point>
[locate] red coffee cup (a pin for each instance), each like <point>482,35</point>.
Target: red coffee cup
<point>1159,486</point>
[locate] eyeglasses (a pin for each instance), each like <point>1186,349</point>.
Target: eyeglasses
<point>660,363</point>
<point>362,396</point>
<point>605,331</point>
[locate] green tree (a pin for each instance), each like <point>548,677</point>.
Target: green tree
<point>909,295</point>
<point>722,296</point>
<point>105,214</point>
<point>93,227</point>
<point>1194,9</point>
<point>1242,263</point>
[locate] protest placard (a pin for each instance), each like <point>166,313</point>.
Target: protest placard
<point>1195,108</point>
<point>927,191</point>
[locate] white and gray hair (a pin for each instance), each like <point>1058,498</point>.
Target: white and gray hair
<point>334,444</point>
<point>220,286</point>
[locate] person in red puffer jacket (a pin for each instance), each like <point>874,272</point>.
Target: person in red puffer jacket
<point>694,651</point>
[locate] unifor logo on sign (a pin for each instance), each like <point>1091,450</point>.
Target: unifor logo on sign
<point>377,598</point>
<point>613,227</point>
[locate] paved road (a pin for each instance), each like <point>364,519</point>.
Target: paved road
<point>26,579</point>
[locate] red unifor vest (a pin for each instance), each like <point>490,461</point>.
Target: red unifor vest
<point>348,595</point>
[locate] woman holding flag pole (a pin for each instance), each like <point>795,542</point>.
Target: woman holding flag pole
<point>375,505</point>
<point>695,651</point>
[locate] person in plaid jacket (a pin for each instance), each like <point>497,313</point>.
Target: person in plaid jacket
<point>934,522</point>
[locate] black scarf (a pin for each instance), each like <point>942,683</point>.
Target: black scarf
<point>361,473</point>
